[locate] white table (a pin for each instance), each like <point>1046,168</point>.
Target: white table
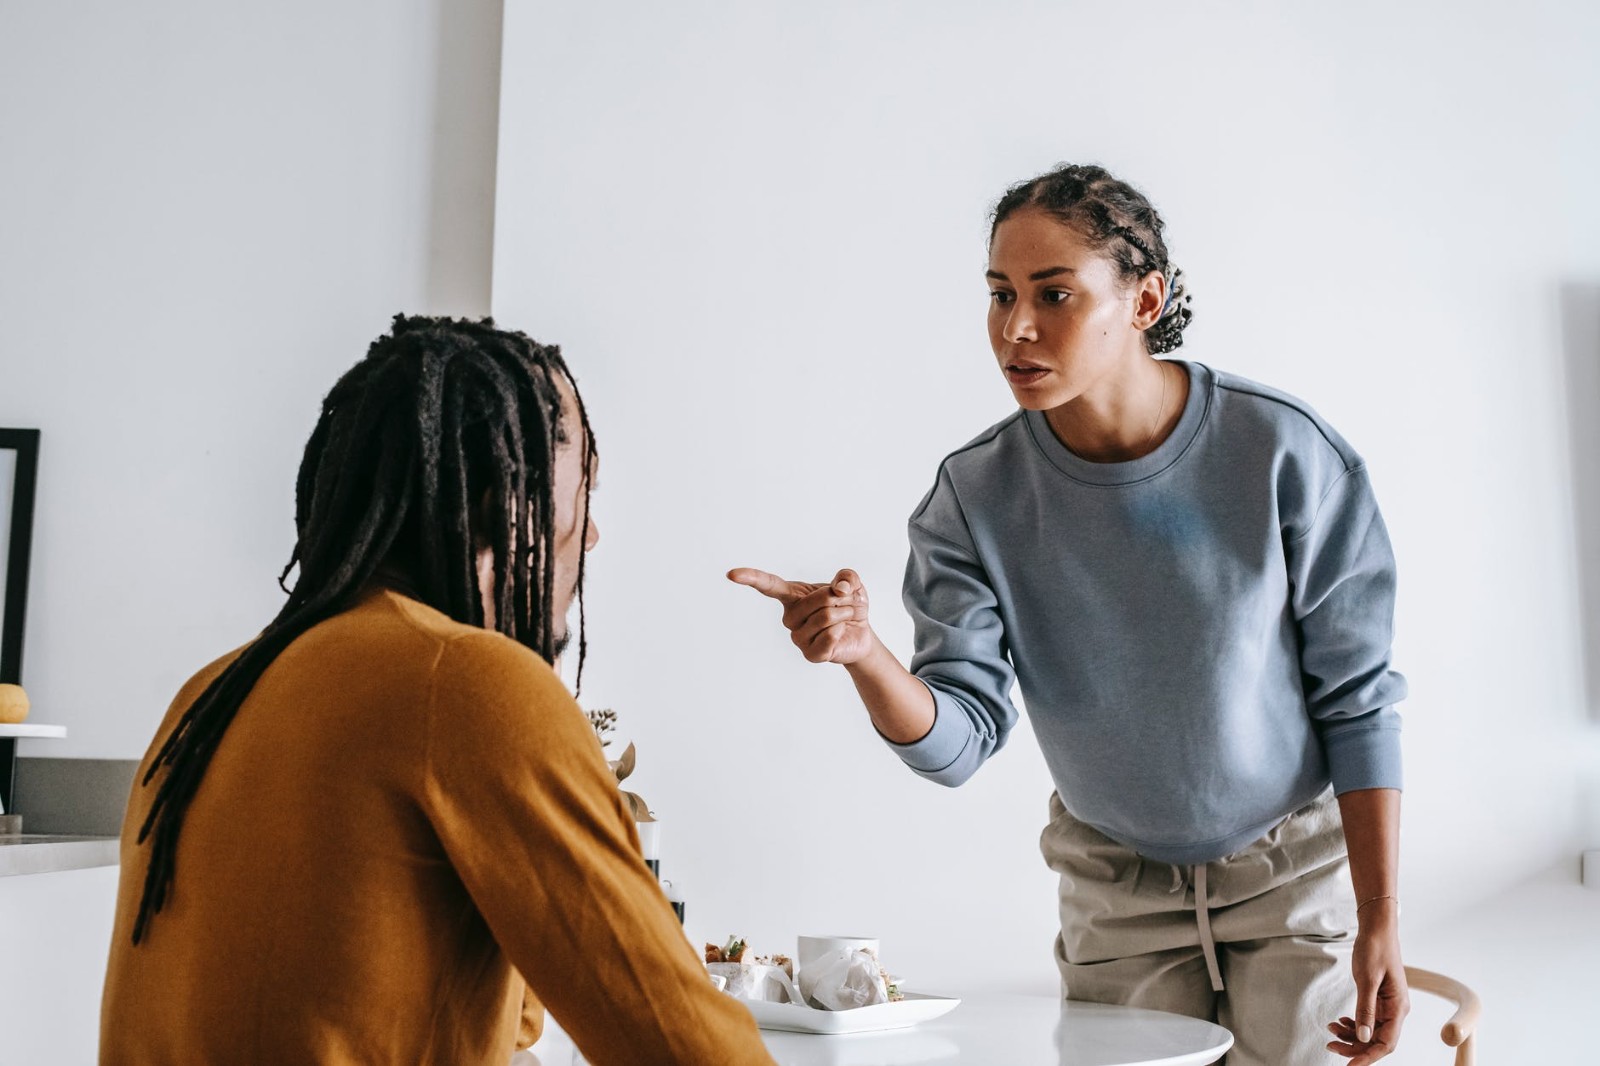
<point>986,1029</point>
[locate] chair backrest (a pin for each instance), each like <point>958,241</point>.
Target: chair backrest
<point>1459,1030</point>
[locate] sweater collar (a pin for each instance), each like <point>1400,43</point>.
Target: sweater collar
<point>1165,454</point>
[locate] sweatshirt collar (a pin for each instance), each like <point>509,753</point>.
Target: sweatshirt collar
<point>1165,455</point>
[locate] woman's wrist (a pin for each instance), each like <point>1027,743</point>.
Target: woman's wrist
<point>1378,910</point>
<point>901,706</point>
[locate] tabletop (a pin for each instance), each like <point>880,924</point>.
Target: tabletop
<point>1019,1030</point>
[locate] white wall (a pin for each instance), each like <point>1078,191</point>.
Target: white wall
<point>757,229</point>
<point>206,213</point>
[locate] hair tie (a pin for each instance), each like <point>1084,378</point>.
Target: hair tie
<point>1172,288</point>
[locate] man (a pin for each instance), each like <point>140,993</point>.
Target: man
<point>350,836</point>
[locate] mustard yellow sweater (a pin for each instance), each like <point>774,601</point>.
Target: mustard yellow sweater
<point>405,814</point>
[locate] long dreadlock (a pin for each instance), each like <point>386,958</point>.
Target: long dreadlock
<point>441,441</point>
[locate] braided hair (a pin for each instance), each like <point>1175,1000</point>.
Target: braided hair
<point>1118,220</point>
<point>440,442</point>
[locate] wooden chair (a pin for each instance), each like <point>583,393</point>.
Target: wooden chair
<point>1458,1031</point>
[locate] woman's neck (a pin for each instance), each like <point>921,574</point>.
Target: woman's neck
<point>1125,417</point>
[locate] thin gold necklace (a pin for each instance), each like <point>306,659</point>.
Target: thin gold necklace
<point>1159,410</point>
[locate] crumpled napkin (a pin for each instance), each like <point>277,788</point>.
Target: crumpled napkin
<point>844,980</point>
<point>754,980</point>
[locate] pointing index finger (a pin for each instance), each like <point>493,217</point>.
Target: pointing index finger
<point>771,585</point>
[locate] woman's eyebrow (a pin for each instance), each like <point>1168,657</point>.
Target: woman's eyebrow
<point>1037,275</point>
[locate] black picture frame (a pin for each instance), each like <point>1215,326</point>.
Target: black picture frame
<point>19,547</point>
<point>17,499</point>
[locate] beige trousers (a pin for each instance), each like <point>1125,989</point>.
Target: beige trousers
<point>1259,941</point>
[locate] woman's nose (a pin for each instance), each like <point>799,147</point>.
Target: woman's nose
<point>1019,325</point>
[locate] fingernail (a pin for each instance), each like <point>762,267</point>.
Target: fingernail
<point>1364,1033</point>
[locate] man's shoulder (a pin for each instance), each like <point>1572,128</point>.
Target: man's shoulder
<point>415,646</point>
<point>474,654</point>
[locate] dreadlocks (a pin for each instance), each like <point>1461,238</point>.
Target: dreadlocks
<point>442,441</point>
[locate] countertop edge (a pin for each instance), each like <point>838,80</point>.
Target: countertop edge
<point>20,856</point>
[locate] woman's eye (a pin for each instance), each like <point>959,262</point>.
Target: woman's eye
<point>1000,297</point>
<point>1056,296</point>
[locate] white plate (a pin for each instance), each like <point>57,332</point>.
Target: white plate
<point>789,1017</point>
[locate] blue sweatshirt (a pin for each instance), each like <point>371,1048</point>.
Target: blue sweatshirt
<point>1201,635</point>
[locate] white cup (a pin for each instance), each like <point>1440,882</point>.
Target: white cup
<point>811,950</point>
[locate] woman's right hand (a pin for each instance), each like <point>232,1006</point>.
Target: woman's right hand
<point>827,622</point>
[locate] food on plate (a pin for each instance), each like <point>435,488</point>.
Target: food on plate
<point>844,981</point>
<point>895,995</point>
<point>738,950</point>
<point>733,951</point>
<point>767,978</point>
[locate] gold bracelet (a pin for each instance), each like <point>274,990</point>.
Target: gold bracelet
<point>1375,899</point>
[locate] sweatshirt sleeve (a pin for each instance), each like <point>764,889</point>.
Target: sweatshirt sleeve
<point>960,648</point>
<point>1342,573</point>
<point>530,816</point>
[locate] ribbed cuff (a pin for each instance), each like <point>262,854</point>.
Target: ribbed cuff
<point>944,743</point>
<point>1366,757</point>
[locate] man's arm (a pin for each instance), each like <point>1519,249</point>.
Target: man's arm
<point>531,819</point>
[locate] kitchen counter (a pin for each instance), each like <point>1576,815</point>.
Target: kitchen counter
<point>42,854</point>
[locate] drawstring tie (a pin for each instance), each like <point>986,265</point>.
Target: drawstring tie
<point>1202,910</point>
<point>1202,914</point>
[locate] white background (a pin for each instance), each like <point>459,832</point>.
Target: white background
<point>207,211</point>
<point>759,236</point>
<point>758,230</point>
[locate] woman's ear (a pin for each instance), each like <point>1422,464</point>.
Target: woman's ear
<point>1149,300</point>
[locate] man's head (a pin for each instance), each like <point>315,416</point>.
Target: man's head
<point>454,462</point>
<point>426,454</point>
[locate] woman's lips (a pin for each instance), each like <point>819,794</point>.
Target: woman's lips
<point>1025,375</point>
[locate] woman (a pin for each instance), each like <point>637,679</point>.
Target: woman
<point>1188,574</point>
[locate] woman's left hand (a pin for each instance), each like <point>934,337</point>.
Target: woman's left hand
<point>1382,999</point>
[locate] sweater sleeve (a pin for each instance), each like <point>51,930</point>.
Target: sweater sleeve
<point>1342,576</point>
<point>960,650</point>
<point>530,816</point>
